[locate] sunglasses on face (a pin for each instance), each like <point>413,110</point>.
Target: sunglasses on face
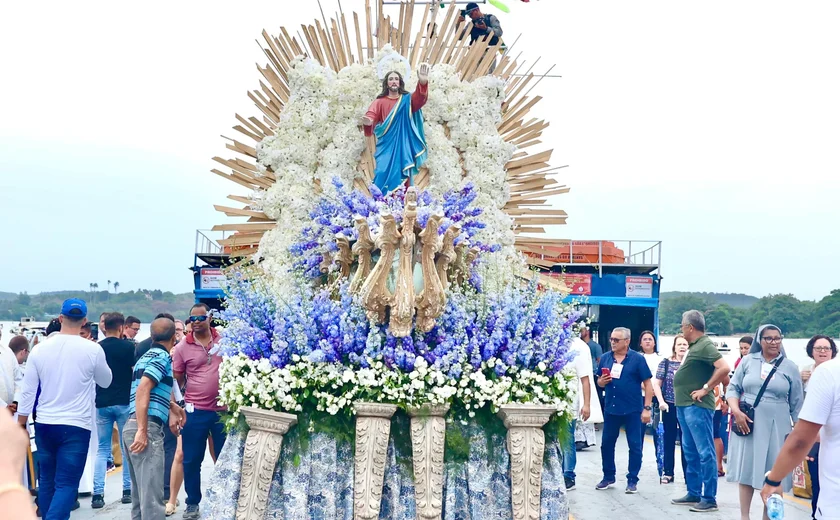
<point>193,319</point>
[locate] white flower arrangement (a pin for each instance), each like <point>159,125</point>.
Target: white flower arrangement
<point>318,138</point>
<point>333,388</point>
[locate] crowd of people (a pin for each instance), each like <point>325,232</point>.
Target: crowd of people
<point>159,394</point>
<point>767,416</point>
<point>763,418</point>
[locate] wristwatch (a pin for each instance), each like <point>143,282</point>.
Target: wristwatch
<point>774,483</point>
<point>706,387</point>
<point>648,408</point>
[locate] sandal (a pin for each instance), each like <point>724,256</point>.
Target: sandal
<point>666,480</point>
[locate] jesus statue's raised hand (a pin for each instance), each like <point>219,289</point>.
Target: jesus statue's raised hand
<point>423,73</point>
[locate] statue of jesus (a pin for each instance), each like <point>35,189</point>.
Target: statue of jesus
<point>396,120</point>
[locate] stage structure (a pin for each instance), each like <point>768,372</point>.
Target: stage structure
<point>392,349</point>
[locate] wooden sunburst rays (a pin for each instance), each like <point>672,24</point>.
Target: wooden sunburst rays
<point>336,44</point>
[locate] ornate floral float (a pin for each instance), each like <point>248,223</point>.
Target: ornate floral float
<point>391,353</point>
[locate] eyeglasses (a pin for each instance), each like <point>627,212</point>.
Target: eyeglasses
<point>135,329</point>
<point>179,330</point>
<point>771,340</point>
<point>193,319</point>
<point>616,340</point>
<point>822,349</point>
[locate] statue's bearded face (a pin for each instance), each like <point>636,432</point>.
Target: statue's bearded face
<point>394,81</point>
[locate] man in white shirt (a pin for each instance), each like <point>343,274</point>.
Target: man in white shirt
<point>8,364</point>
<point>581,366</point>
<point>821,411</point>
<point>67,369</point>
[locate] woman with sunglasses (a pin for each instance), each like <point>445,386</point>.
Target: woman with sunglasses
<point>752,453</point>
<point>821,349</point>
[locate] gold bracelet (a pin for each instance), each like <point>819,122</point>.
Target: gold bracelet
<point>13,487</point>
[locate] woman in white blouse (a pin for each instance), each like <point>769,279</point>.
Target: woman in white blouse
<point>650,350</point>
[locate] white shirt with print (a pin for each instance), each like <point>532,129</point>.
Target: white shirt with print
<point>822,406</point>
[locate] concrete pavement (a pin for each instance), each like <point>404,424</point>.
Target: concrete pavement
<point>114,510</point>
<point>654,499</point>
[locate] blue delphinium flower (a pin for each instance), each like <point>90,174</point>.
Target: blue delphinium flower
<point>336,213</point>
<point>517,328</point>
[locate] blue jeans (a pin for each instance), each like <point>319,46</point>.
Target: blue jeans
<point>723,432</point>
<point>698,445</point>
<point>570,453</point>
<point>200,424</point>
<point>105,419</point>
<point>62,453</point>
<point>633,428</point>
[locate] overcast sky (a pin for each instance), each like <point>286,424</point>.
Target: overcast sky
<point>712,126</point>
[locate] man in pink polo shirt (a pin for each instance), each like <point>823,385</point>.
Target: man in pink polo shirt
<point>195,361</point>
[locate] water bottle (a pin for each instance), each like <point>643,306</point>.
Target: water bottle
<point>775,507</point>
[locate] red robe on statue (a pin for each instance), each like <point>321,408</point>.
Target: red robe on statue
<point>381,107</point>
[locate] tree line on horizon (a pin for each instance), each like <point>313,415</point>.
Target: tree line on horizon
<point>145,304</point>
<point>729,315</point>
<point>726,314</point>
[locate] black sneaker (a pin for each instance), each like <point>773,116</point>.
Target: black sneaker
<point>570,483</point>
<point>192,512</point>
<point>126,498</point>
<point>76,506</point>
<point>98,502</point>
<point>687,500</point>
<point>704,506</point>
<point>631,488</point>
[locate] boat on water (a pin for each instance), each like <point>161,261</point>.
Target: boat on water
<point>29,327</point>
<point>719,343</point>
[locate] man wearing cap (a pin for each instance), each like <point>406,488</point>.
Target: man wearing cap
<point>483,24</point>
<point>67,369</point>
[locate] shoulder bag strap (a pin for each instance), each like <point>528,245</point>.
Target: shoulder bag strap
<point>767,381</point>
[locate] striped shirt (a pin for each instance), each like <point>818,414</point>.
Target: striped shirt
<point>156,364</point>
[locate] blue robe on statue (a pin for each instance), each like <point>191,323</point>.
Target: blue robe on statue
<point>400,146</point>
